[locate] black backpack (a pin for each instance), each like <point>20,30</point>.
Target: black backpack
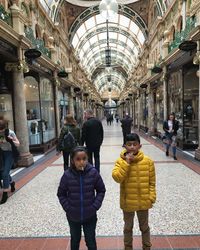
<point>68,142</point>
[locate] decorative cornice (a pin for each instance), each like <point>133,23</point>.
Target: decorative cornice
<point>20,66</point>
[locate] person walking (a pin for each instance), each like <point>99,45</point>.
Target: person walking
<point>81,193</point>
<point>7,160</point>
<point>136,174</point>
<point>126,124</point>
<point>171,126</point>
<point>92,137</point>
<point>69,138</point>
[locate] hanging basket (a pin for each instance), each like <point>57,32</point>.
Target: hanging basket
<point>77,89</point>
<point>32,53</point>
<point>130,94</point>
<point>109,89</point>
<point>156,70</point>
<point>86,94</point>
<point>62,74</point>
<point>188,46</point>
<point>143,86</point>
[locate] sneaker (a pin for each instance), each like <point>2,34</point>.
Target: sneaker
<point>167,153</point>
<point>175,158</point>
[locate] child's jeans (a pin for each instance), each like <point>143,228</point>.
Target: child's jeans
<point>144,228</point>
<point>89,228</point>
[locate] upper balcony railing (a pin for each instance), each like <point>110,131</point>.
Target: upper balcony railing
<point>5,16</point>
<point>37,43</point>
<point>183,35</point>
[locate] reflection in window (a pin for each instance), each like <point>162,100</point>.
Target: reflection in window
<point>47,109</point>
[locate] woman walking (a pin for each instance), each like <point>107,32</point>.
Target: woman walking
<point>7,159</point>
<point>171,126</point>
<point>69,138</point>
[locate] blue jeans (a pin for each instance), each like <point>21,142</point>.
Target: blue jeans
<point>89,228</point>
<point>170,143</point>
<point>7,165</point>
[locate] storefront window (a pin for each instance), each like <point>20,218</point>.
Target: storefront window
<point>47,122</point>
<point>159,112</point>
<point>63,106</point>
<point>176,100</point>
<point>6,109</point>
<point>144,104</point>
<point>190,104</point>
<point>33,110</point>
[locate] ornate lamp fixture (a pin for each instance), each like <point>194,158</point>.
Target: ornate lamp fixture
<point>62,74</point>
<point>32,53</point>
<point>77,89</point>
<point>188,46</point>
<point>143,86</point>
<point>156,69</point>
<point>108,8</point>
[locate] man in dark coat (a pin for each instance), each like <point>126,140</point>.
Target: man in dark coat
<point>92,136</point>
<point>126,126</point>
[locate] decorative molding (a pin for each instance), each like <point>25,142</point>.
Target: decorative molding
<point>20,66</point>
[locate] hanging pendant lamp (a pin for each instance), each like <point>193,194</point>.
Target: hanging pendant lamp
<point>108,8</point>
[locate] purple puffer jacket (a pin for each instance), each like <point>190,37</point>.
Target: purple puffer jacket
<point>77,195</point>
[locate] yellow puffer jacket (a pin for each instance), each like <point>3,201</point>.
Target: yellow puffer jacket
<point>137,182</point>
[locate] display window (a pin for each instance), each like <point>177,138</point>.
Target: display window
<point>33,113</point>
<point>6,110</point>
<point>190,107</point>
<point>47,122</point>
<point>39,110</point>
<point>175,94</point>
<point>159,111</point>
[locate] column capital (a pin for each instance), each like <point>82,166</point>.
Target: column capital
<point>18,66</point>
<point>56,82</point>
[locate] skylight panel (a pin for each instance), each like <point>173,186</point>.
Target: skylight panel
<point>102,36</point>
<point>90,23</point>
<point>141,37</point>
<point>122,38</point>
<point>93,39</point>
<point>134,28</point>
<point>81,31</point>
<point>75,41</point>
<point>124,21</point>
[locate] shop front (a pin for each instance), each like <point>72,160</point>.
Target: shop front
<point>40,111</point>
<point>183,99</point>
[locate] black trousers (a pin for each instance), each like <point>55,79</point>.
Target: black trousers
<point>89,228</point>
<point>125,133</point>
<point>66,156</point>
<point>96,153</point>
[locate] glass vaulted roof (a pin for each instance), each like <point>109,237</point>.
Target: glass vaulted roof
<point>125,41</point>
<point>52,6</point>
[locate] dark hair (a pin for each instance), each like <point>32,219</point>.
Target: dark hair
<point>173,115</point>
<point>133,137</point>
<point>78,149</point>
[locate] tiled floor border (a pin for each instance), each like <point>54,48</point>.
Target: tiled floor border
<point>103,243</point>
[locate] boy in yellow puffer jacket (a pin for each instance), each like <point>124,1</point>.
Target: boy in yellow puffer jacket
<point>136,174</point>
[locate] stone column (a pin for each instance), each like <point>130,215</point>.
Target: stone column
<point>151,113</point>
<point>71,102</point>
<point>197,152</point>
<point>21,129</point>
<point>165,92</point>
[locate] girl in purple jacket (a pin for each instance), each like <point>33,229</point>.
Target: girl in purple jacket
<point>81,192</point>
